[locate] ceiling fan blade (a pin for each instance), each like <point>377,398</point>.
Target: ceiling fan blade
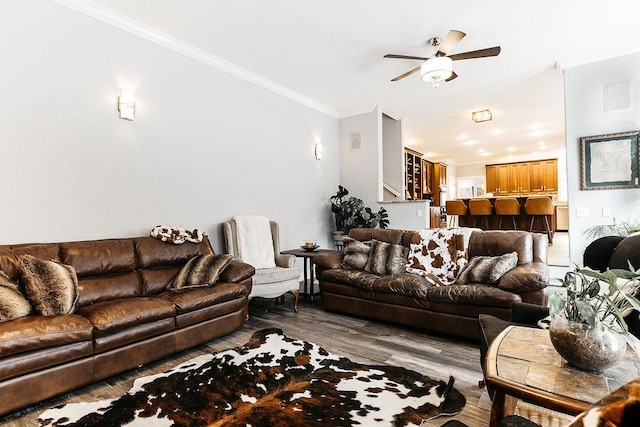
<point>449,42</point>
<point>453,76</point>
<point>482,53</point>
<point>408,73</point>
<point>393,55</point>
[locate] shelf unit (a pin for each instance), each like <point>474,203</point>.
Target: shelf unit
<point>413,174</point>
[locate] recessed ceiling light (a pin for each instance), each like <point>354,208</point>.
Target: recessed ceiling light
<point>462,137</point>
<point>471,142</point>
<point>497,132</point>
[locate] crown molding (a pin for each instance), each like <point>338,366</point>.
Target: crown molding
<point>598,56</point>
<point>146,32</point>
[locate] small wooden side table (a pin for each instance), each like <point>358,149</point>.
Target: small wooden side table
<point>307,262</point>
<point>522,364</point>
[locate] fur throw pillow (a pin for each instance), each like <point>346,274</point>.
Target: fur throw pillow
<point>385,258</point>
<point>437,255</point>
<point>13,304</point>
<point>201,270</point>
<point>486,269</point>
<point>356,254</point>
<point>51,287</point>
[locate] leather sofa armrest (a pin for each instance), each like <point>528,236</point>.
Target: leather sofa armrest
<point>237,271</point>
<point>526,277</point>
<point>286,261</point>
<point>328,260</point>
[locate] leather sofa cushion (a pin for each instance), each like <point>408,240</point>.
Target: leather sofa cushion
<point>191,299</point>
<point>525,278</point>
<point>157,280</point>
<point>152,252</point>
<point>108,287</point>
<point>498,242</point>
<point>100,257</point>
<point>328,260</point>
<point>394,237</point>
<point>358,278</point>
<point>108,317</point>
<point>472,294</point>
<point>402,284</point>
<point>39,332</point>
<point>237,272</point>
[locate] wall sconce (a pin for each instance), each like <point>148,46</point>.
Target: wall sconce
<point>481,116</point>
<point>319,151</point>
<point>127,104</point>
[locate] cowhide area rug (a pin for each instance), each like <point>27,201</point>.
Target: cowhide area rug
<point>270,381</point>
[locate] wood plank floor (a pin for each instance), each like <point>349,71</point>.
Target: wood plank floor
<point>361,340</point>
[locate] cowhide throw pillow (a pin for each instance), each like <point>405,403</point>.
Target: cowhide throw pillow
<point>486,269</point>
<point>437,255</point>
<point>385,258</point>
<point>13,304</point>
<point>51,287</point>
<point>356,254</point>
<point>201,270</point>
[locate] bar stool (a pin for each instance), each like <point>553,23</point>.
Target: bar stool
<point>507,206</point>
<point>480,207</point>
<point>540,207</point>
<point>455,208</point>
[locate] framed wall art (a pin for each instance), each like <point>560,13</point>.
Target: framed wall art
<point>609,161</point>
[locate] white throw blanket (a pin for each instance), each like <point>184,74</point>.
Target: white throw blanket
<point>255,244</point>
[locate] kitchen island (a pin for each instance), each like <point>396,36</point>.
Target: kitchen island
<point>523,220</point>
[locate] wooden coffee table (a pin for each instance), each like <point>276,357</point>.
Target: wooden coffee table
<point>522,364</point>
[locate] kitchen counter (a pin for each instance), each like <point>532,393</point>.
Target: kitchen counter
<point>522,220</point>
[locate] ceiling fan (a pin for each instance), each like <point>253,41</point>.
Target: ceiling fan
<point>439,67</point>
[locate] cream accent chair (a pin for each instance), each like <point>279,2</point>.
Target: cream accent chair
<point>268,282</point>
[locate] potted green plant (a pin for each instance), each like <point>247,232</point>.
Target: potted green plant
<point>623,228</point>
<point>350,212</point>
<point>588,327</point>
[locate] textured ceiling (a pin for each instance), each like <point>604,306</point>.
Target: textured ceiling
<point>331,51</point>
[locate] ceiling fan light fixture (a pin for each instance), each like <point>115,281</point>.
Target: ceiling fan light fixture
<point>436,70</point>
<point>481,116</point>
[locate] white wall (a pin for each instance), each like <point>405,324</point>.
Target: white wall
<point>586,116</point>
<point>392,157</point>
<point>204,145</point>
<point>361,171</point>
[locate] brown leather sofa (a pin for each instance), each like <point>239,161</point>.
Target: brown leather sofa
<point>125,316</point>
<point>411,300</point>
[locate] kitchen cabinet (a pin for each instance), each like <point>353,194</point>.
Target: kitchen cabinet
<point>498,179</point>
<point>544,176</point>
<point>519,179</point>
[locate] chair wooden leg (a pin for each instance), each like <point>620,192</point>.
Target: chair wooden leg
<point>296,298</point>
<point>549,233</point>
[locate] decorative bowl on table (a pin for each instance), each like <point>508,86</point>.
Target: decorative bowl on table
<point>309,245</point>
